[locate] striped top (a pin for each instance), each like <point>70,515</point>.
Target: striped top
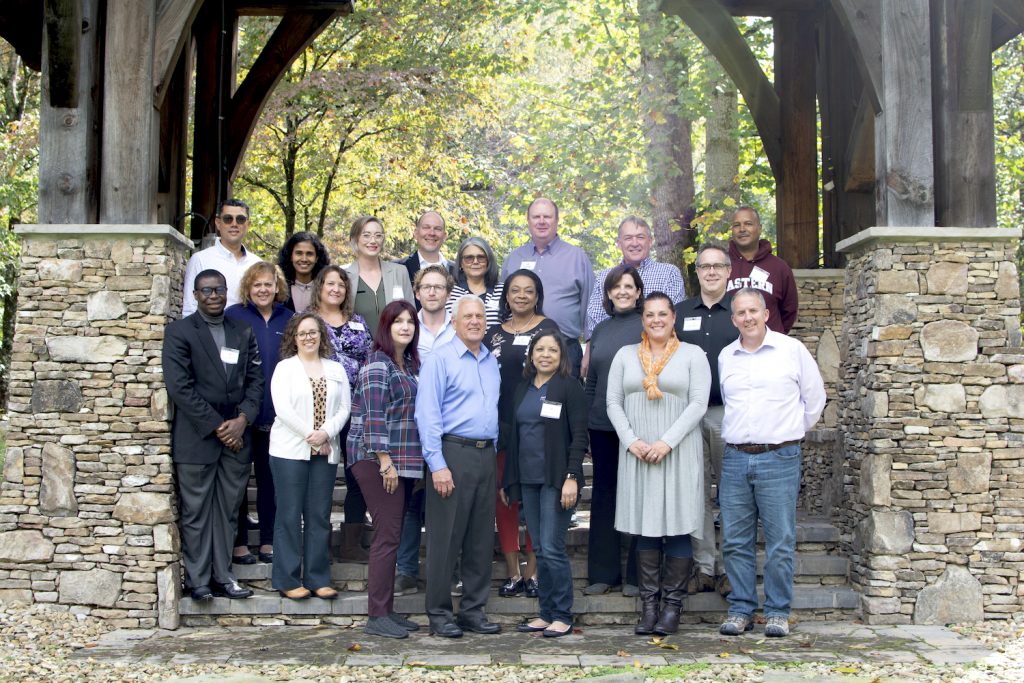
<point>492,302</point>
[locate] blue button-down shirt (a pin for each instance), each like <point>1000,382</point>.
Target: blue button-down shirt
<point>656,276</point>
<point>458,394</point>
<point>567,276</point>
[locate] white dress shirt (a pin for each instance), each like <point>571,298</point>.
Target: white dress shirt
<point>771,395</point>
<point>224,262</point>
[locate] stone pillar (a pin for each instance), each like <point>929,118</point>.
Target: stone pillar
<point>87,506</point>
<point>932,401</point>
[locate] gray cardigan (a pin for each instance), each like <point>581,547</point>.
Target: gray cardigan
<point>393,275</point>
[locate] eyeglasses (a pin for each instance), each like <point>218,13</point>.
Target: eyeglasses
<point>705,267</point>
<point>312,334</point>
<point>433,288</point>
<point>210,291</point>
<point>474,258</point>
<point>229,218</point>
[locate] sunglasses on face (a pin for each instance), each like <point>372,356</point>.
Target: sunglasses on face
<point>229,218</point>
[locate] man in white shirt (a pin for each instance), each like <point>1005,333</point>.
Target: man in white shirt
<point>773,393</point>
<point>228,256</point>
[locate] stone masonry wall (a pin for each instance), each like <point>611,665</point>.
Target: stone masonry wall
<point>932,408</point>
<point>819,326</point>
<point>87,506</point>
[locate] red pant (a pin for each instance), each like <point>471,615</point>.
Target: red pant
<point>387,510</point>
<point>507,517</point>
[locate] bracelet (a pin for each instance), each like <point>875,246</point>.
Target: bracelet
<point>386,470</point>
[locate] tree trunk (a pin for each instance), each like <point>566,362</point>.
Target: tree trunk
<point>669,149</point>
<point>722,152</point>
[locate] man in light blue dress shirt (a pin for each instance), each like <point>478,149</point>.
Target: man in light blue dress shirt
<point>564,270</point>
<point>457,417</point>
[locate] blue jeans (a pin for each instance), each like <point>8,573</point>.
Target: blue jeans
<point>302,529</point>
<point>766,486</point>
<point>409,545</point>
<point>548,523</point>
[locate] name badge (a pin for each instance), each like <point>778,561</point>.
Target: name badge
<point>691,324</point>
<point>492,304</point>
<point>357,326</point>
<point>521,340</point>
<point>551,409</point>
<point>397,292</point>
<point>229,356</point>
<point>528,265</point>
<point>759,274</point>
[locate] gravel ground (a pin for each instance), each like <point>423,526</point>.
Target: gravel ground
<point>35,643</point>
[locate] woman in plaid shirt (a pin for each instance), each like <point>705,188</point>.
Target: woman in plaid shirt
<point>384,454</point>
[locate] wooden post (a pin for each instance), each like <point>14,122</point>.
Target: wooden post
<point>904,189</point>
<point>129,148</point>
<point>173,144</point>
<point>63,20</point>
<point>965,184</point>
<point>797,193</point>
<point>68,144</point>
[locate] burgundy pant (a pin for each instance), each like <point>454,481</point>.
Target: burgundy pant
<point>507,517</point>
<point>387,510</point>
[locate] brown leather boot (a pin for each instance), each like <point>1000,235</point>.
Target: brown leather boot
<point>673,586</point>
<point>352,544</point>
<point>648,570</point>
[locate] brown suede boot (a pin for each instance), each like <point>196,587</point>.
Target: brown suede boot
<point>673,585</point>
<point>352,544</point>
<point>648,570</point>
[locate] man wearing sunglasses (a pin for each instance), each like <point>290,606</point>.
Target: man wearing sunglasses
<point>228,255</point>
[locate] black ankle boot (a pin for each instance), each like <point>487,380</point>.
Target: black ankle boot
<point>648,569</point>
<point>673,585</point>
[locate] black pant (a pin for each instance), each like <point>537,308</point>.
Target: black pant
<point>355,504</point>
<point>266,509</point>
<point>604,553</point>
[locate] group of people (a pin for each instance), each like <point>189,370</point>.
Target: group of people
<point>452,393</point>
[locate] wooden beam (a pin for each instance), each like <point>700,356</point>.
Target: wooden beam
<point>173,21</point>
<point>769,8</point>
<point>21,25</point>
<point>174,144</point>
<point>797,192</point>
<point>965,183</point>
<point>293,35</point>
<point>1008,22</point>
<point>278,8</point>
<point>68,143</point>
<point>715,27</point>
<point>862,20</point>
<point>905,174</point>
<point>860,150</point>
<point>129,148</point>
<point>63,20</point>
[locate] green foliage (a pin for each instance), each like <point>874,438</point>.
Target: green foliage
<point>1008,91</point>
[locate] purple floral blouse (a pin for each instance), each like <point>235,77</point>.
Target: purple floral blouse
<point>351,344</point>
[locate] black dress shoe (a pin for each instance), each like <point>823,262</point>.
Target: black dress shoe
<point>479,626</point>
<point>531,588</point>
<point>266,557</point>
<point>202,593</point>
<point>248,558</point>
<point>446,630</point>
<point>512,587</point>
<point>231,589</point>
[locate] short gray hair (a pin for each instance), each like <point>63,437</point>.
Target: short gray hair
<point>748,291</point>
<point>464,298</point>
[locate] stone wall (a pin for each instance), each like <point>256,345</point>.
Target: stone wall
<point>932,408</point>
<point>87,506</point>
<point>819,326</point>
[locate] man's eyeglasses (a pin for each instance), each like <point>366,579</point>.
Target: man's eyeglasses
<point>433,288</point>
<point>229,218</point>
<point>474,258</point>
<point>210,291</point>
<point>313,334</point>
<point>705,267</point>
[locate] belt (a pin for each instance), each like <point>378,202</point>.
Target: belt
<point>472,443</point>
<point>756,448</point>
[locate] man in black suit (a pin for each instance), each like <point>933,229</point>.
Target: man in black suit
<point>430,233</point>
<point>211,367</point>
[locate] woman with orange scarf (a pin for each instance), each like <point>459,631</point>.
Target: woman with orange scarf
<point>657,395</point>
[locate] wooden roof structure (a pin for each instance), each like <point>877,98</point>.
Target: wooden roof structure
<point>117,76</point>
<point>904,93</point>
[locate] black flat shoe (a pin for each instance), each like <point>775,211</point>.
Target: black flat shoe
<point>248,558</point>
<point>231,589</point>
<point>446,630</point>
<point>551,633</point>
<point>202,594</point>
<point>526,628</point>
<point>266,557</point>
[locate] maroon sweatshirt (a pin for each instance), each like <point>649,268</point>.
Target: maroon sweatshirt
<point>770,275</point>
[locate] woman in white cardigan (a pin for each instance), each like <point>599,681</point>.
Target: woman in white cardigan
<point>312,399</point>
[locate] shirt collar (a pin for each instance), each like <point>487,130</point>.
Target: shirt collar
<point>461,349</point>
<point>447,319</point>
<point>770,341</point>
<point>224,250</point>
<point>550,248</point>
<point>643,264</point>
<point>442,261</point>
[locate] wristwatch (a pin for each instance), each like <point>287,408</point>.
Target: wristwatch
<point>570,476</point>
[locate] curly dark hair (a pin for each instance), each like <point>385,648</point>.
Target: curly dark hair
<point>284,256</point>
<point>289,347</point>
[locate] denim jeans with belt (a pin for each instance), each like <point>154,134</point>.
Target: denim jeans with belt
<point>761,485</point>
<point>548,523</point>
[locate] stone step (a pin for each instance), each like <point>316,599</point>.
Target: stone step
<point>338,498</point>
<point>609,608</point>
<point>805,565</point>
